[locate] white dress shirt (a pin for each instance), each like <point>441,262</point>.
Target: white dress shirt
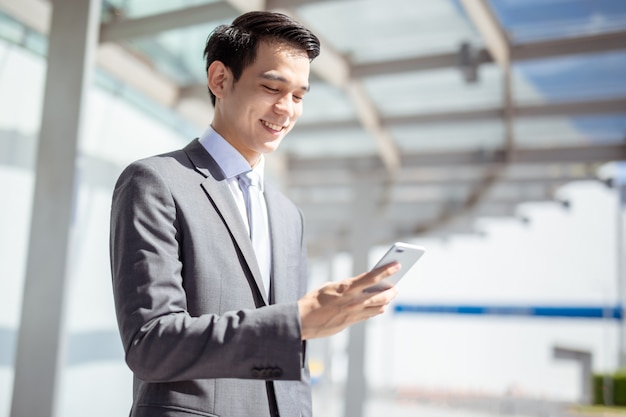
<point>232,164</point>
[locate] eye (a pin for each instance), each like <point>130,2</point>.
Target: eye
<point>297,99</point>
<point>270,89</point>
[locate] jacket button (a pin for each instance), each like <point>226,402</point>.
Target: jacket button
<point>265,373</point>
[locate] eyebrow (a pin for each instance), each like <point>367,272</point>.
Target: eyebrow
<point>275,77</point>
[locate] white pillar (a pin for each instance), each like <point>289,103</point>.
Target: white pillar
<point>363,222</point>
<point>621,265</point>
<point>39,358</point>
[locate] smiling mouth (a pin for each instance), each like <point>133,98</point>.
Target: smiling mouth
<point>276,128</point>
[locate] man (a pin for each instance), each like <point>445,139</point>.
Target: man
<point>204,334</point>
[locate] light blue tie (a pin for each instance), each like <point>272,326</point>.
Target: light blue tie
<point>250,183</point>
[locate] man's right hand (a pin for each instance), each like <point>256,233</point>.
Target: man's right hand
<point>334,306</point>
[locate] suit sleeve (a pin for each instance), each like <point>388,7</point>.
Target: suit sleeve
<point>162,341</point>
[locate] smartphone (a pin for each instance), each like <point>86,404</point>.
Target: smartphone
<point>405,254</point>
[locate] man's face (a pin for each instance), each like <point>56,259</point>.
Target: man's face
<point>256,112</point>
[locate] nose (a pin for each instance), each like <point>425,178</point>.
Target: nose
<point>285,106</point>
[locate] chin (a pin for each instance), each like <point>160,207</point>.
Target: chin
<point>271,146</point>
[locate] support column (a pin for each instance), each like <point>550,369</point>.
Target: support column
<point>620,183</point>
<point>326,351</point>
<point>40,350</point>
<point>361,241</point>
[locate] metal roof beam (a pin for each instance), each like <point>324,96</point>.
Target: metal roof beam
<point>560,154</point>
<point>442,175</point>
<point>556,155</point>
<point>304,183</point>
<point>578,108</point>
<point>330,220</point>
<point>244,6</point>
<point>586,44</point>
<point>34,14</point>
<point>572,154</point>
<point>124,29</point>
<point>492,33</point>
<point>371,121</point>
<point>581,108</point>
<point>413,64</point>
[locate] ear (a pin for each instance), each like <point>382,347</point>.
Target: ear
<point>218,78</point>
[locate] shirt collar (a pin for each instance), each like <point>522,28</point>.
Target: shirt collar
<point>230,161</point>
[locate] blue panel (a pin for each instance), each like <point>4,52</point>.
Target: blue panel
<point>594,312</point>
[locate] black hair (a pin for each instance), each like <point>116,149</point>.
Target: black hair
<point>235,45</point>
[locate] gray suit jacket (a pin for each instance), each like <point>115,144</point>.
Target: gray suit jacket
<point>200,336</point>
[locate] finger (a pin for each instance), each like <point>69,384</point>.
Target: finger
<point>381,298</point>
<point>374,311</point>
<point>376,275</point>
<point>395,265</point>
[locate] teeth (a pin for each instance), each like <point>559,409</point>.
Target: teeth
<point>272,126</point>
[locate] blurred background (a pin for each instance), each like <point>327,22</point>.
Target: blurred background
<point>489,131</point>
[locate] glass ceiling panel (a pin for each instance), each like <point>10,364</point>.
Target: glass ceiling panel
<point>535,132</point>
<point>548,132</point>
<point>539,170</point>
<point>142,8</point>
<point>515,192</point>
<point>375,30</point>
<point>533,20</point>
<point>327,103</point>
<point>450,137</point>
<point>178,53</point>
<point>602,129</point>
<point>331,143</point>
<point>577,77</point>
<point>445,90</point>
<point>435,91</point>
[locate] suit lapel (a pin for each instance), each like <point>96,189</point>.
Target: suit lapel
<point>283,286</point>
<point>219,193</point>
